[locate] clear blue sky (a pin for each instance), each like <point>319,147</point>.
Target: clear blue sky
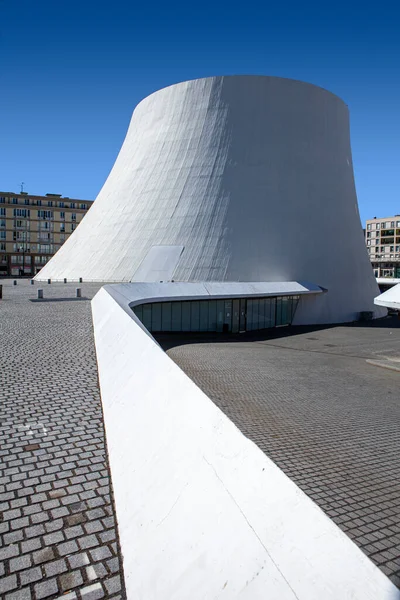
<point>71,73</point>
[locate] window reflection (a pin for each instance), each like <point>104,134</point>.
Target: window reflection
<point>228,315</point>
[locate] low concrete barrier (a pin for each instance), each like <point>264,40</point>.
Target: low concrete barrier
<point>202,512</point>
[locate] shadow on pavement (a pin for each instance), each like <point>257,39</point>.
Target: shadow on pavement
<point>170,340</point>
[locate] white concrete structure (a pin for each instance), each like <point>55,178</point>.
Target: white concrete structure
<point>239,178</point>
<point>202,512</point>
<point>390,298</point>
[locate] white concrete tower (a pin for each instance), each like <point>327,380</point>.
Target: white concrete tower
<point>238,178</point>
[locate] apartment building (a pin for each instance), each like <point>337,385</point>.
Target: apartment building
<point>382,237</point>
<point>32,229</point>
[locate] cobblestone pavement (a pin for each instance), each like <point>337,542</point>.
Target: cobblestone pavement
<point>330,420</point>
<point>57,528</point>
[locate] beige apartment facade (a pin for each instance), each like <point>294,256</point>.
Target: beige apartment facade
<point>32,229</point>
<point>382,237</point>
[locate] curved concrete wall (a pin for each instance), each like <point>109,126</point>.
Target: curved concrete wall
<point>240,178</point>
<point>202,512</point>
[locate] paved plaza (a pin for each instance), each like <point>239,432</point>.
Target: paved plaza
<point>308,397</point>
<point>57,525</point>
<point>329,419</point>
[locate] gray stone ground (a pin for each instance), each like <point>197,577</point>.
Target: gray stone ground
<point>330,420</point>
<point>57,528</point>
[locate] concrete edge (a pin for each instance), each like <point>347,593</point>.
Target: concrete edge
<point>202,511</point>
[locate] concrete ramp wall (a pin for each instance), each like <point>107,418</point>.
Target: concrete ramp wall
<point>202,512</point>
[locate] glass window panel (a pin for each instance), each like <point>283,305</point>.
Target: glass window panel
<point>235,316</point>
<point>166,316</point>
<point>278,311</point>
<point>242,319</point>
<point>147,316</point>
<point>273,312</point>
<point>138,310</point>
<point>185,316</point>
<point>220,314</point>
<point>261,313</point>
<point>203,316</point>
<point>156,317</point>
<point>267,313</point>
<point>195,316</point>
<point>285,312</point>
<point>256,308</point>
<point>212,315</point>
<point>294,305</point>
<point>227,315</point>
<point>176,316</point>
<point>249,319</point>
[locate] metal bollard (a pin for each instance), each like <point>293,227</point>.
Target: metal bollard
<point>40,294</point>
<point>32,281</point>
<point>80,279</point>
<point>65,280</point>
<point>49,281</point>
<point>15,282</point>
<point>78,293</point>
<point>1,292</point>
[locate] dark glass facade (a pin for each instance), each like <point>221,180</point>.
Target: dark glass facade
<point>227,315</point>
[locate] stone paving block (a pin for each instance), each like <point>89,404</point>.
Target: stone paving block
<point>67,548</point>
<point>30,576</point>
<point>47,588</point>
<point>100,553</point>
<point>70,580</point>
<point>7,584</point>
<point>92,592</point>
<point>19,563</point>
<point>22,594</point>
<point>44,555</point>
<point>113,585</point>
<point>55,568</point>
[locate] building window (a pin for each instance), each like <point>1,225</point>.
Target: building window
<point>368,242</point>
<point>73,217</point>
<point>2,200</point>
<point>397,222</point>
<point>3,246</point>
<point>72,205</point>
<point>397,248</point>
<point>15,200</point>
<point>392,224</point>
<point>61,204</point>
<point>2,222</point>
<point>378,226</point>
<point>83,206</point>
<point>39,203</point>
<point>62,215</point>
<point>73,226</point>
<point>45,248</point>
<point>368,234</point>
<point>62,226</point>
<point>22,212</point>
<point>2,235</point>
<point>45,214</point>
<point>50,203</point>
<point>26,201</point>
<point>368,226</point>
<point>2,212</point>
<point>391,248</point>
